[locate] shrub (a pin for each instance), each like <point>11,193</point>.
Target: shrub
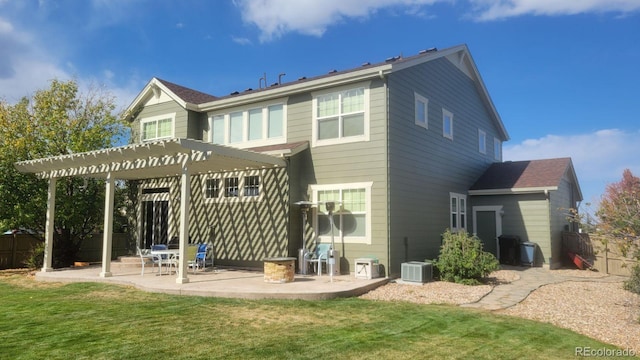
<point>35,259</point>
<point>633,283</point>
<point>462,259</point>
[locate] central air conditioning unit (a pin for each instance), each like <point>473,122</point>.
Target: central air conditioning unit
<point>417,271</point>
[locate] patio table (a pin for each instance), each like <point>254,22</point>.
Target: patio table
<point>169,253</point>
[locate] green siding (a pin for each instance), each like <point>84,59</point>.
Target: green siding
<point>181,120</point>
<point>345,163</point>
<point>424,166</point>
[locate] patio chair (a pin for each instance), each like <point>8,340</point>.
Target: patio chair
<point>162,259</point>
<point>145,257</point>
<point>192,250</point>
<point>319,256</point>
<point>200,258</point>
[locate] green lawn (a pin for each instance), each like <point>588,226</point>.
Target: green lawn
<point>99,321</point>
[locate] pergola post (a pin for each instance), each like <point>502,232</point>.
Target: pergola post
<point>108,226</point>
<point>49,228</point>
<point>185,200</point>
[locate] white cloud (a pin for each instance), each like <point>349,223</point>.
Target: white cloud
<point>241,40</point>
<point>311,17</point>
<point>498,9</point>
<point>275,18</point>
<point>599,157</point>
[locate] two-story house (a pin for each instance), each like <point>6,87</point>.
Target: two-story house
<point>397,145</point>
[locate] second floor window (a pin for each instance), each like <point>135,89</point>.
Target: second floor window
<point>447,124</point>
<point>482,142</point>
<point>255,126</point>
<point>340,116</point>
<point>421,105</point>
<point>497,149</point>
<point>157,127</point>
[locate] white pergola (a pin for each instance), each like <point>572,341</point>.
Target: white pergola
<point>156,159</point>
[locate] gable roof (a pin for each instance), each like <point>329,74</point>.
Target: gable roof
<point>186,94</point>
<point>525,177</point>
<point>199,101</point>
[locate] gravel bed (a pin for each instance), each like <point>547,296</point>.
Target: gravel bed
<point>590,303</point>
<point>600,310</point>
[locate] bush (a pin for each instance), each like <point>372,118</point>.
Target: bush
<point>462,259</point>
<point>35,260</point>
<point>633,284</point>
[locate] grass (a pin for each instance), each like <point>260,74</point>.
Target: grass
<point>100,321</point>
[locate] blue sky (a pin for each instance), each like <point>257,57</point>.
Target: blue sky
<point>563,74</point>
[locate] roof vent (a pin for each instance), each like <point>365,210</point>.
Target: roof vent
<point>428,50</point>
<point>392,59</point>
<point>333,71</point>
<point>234,93</point>
<point>302,78</point>
<point>248,89</point>
<point>366,64</point>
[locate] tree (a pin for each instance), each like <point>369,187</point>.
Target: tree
<point>619,215</point>
<point>56,121</point>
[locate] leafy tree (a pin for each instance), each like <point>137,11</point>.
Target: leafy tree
<point>56,121</point>
<point>619,215</point>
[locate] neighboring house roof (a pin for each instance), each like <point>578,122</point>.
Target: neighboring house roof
<point>525,177</point>
<point>198,101</point>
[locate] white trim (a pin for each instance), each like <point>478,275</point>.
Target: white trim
<point>346,186</point>
<point>446,113</point>
<point>461,224</point>
<point>419,98</point>
<point>340,139</point>
<point>482,141</point>
<point>527,190</point>
<point>498,209</point>
<point>143,121</point>
<point>241,175</point>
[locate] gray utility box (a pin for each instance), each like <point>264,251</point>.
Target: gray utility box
<point>417,271</point>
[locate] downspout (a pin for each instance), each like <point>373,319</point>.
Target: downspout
<point>386,90</point>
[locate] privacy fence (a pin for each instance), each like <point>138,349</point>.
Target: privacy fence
<point>15,249</point>
<point>605,256</point>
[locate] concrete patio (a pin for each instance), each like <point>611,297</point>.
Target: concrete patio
<point>221,282</point>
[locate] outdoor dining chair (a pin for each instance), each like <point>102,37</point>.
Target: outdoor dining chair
<point>319,256</point>
<point>145,258</point>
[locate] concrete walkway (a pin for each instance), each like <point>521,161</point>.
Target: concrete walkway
<point>511,294</point>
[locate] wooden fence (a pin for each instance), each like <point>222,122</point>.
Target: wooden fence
<point>14,250</point>
<point>605,256</point>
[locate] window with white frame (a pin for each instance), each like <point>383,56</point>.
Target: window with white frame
<point>482,141</point>
<point>421,110</point>
<point>352,214</point>
<point>251,185</point>
<point>157,127</point>
<point>458,211</point>
<point>212,188</point>
<point>341,116</point>
<point>497,149</point>
<point>233,186</point>
<point>262,125</point>
<point>447,124</point>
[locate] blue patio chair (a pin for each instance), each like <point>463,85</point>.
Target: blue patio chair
<point>319,256</point>
<point>200,259</point>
